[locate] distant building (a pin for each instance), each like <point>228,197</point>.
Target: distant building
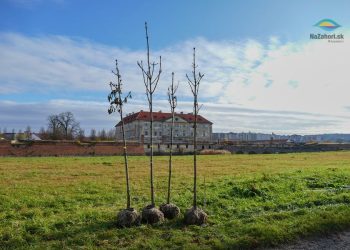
<point>137,127</point>
<point>28,136</point>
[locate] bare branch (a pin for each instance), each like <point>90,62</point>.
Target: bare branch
<point>189,79</point>
<point>200,108</point>
<point>144,72</point>
<point>156,80</point>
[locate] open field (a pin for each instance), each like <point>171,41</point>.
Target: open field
<point>252,200</point>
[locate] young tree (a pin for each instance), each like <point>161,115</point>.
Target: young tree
<point>195,215</point>
<point>169,210</point>
<point>129,216</point>
<point>151,214</point>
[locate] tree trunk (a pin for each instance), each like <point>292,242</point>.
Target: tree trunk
<point>170,154</point>
<point>151,156</point>
<point>125,159</point>
<point>195,154</point>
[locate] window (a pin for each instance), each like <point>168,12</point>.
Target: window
<point>148,146</point>
<point>146,132</point>
<point>160,133</point>
<point>158,146</point>
<point>186,145</point>
<point>155,133</point>
<point>178,146</point>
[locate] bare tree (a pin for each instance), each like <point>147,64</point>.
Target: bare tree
<point>111,134</point>
<point>81,134</point>
<point>173,103</point>
<point>54,128</point>
<point>194,85</point>
<point>28,132</point>
<point>150,80</point>
<point>63,126</point>
<point>102,135</point>
<point>68,124</point>
<point>129,216</point>
<point>169,210</point>
<point>151,83</point>
<point>194,215</point>
<point>93,136</point>
<point>44,134</point>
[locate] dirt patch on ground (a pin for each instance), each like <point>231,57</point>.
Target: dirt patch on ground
<point>336,241</point>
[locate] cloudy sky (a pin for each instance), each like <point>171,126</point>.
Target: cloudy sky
<point>262,71</point>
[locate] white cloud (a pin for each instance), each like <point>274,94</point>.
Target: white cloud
<point>297,87</point>
<point>92,114</point>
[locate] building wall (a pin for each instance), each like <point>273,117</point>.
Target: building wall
<point>183,131</point>
<point>179,148</point>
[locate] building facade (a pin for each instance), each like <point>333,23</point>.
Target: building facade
<point>137,128</point>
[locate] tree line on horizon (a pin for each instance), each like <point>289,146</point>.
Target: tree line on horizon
<point>62,126</point>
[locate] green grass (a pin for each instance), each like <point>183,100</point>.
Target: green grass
<point>252,200</point>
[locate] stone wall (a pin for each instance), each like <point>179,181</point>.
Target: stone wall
<point>67,148</point>
<point>283,148</point>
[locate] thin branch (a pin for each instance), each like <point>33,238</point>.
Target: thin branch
<point>143,70</point>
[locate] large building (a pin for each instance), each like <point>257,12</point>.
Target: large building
<point>137,127</point>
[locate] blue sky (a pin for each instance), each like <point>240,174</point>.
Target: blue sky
<point>262,72</point>
<point>119,23</point>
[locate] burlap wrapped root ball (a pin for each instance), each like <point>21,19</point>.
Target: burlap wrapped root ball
<point>170,210</point>
<point>152,215</point>
<point>128,217</point>
<point>195,216</point>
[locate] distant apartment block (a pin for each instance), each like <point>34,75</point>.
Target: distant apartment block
<point>249,136</point>
<point>137,127</point>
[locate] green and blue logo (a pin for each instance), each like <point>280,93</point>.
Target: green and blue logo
<point>327,24</point>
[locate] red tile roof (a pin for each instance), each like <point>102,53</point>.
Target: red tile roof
<point>160,116</point>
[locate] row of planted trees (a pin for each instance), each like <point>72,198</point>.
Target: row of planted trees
<point>151,72</point>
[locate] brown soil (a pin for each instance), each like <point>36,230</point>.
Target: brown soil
<point>195,216</point>
<point>170,211</point>
<point>128,218</point>
<point>152,215</point>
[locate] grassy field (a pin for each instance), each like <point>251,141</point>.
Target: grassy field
<point>252,200</point>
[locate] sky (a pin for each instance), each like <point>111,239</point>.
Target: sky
<point>262,72</point>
